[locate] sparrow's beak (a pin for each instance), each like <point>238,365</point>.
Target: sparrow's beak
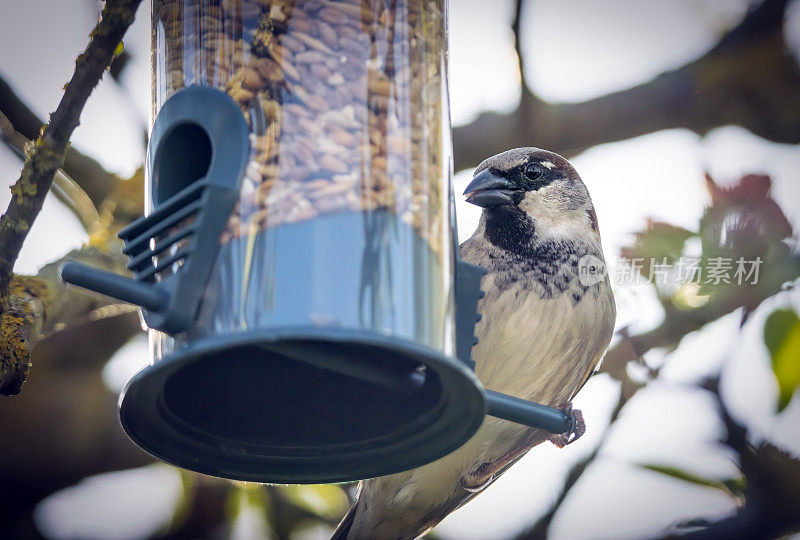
<point>487,190</point>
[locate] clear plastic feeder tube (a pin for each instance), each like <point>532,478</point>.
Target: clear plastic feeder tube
<point>323,348</point>
<point>347,107</point>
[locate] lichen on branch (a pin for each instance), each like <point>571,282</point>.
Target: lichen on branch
<point>21,323</point>
<point>40,305</point>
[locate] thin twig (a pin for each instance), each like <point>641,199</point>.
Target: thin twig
<point>64,188</point>
<point>539,529</point>
<point>86,171</point>
<point>516,28</point>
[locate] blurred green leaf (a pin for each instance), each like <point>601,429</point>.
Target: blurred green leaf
<point>248,494</point>
<point>660,242</point>
<point>324,500</point>
<point>688,297</point>
<point>310,528</point>
<point>185,501</point>
<point>782,338</point>
<point>731,486</point>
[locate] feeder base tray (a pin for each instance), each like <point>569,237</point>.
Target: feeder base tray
<point>220,406</point>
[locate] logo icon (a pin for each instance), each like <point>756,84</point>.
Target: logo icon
<point>591,270</point>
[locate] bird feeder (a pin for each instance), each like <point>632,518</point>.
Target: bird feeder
<point>297,266</point>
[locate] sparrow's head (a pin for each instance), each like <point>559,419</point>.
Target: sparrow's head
<point>534,187</point>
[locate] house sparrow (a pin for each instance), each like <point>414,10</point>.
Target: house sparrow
<point>548,316</point>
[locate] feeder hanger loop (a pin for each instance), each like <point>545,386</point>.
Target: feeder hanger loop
<point>197,158</point>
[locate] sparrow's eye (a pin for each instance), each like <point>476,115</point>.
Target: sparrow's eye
<point>533,171</point>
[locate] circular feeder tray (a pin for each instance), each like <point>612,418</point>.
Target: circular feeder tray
<point>302,405</point>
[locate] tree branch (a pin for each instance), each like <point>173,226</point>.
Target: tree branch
<point>516,28</point>
<point>772,481</point>
<point>40,305</point>
<point>24,311</point>
<point>41,311</point>
<point>539,529</point>
<point>749,78</point>
<point>64,188</point>
<point>65,425</point>
<point>50,149</point>
<point>679,323</point>
<point>120,201</point>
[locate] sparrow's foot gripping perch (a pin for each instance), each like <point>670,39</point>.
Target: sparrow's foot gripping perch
<point>576,430</point>
<point>481,475</point>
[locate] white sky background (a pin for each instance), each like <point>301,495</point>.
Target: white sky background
<point>576,50</point>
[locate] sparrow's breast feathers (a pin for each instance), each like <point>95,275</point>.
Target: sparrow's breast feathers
<point>543,330</point>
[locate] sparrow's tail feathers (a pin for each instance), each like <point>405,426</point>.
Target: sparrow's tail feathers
<point>343,529</point>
